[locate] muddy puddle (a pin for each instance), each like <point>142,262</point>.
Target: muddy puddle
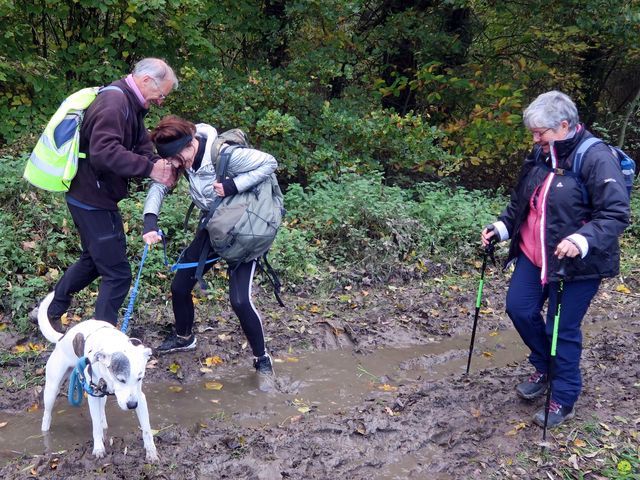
<point>324,382</point>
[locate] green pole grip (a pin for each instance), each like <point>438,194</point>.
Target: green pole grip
<point>556,322</point>
<point>479,298</point>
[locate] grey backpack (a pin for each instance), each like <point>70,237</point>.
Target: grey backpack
<point>242,227</point>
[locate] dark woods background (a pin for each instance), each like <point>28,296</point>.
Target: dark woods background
<point>397,124</point>
<point>414,88</point>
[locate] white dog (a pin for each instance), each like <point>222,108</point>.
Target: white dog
<point>116,365</point>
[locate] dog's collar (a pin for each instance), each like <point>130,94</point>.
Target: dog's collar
<point>100,389</point>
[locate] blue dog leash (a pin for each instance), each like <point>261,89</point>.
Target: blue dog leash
<point>78,384</point>
<point>134,291</point>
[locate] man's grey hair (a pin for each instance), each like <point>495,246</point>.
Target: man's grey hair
<point>549,109</point>
<point>157,69</point>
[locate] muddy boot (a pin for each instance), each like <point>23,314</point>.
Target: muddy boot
<point>534,387</point>
<point>33,315</point>
<point>557,415</point>
<point>57,325</point>
<point>176,343</point>
<point>263,365</point>
<point>264,369</point>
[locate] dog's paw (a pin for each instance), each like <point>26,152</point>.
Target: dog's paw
<point>152,456</point>
<point>99,452</point>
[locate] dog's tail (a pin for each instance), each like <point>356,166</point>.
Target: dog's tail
<point>43,321</point>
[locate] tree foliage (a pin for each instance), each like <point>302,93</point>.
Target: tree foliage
<point>417,89</point>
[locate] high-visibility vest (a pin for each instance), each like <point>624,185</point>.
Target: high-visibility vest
<point>54,160</point>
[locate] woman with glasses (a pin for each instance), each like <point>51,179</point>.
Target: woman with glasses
<point>562,226</point>
<point>189,148</point>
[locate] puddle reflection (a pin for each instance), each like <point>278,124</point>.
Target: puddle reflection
<point>324,382</point>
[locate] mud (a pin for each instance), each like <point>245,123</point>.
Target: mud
<point>370,384</point>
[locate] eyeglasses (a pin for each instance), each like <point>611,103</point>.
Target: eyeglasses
<point>540,134</point>
<point>162,96</point>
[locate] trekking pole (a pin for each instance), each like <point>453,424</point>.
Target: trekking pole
<point>488,253</point>
<point>554,342</point>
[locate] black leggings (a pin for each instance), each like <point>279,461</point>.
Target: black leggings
<point>240,281</point>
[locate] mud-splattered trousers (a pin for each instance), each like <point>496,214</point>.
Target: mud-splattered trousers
<point>525,300</point>
<point>240,281</point>
<point>104,254</point>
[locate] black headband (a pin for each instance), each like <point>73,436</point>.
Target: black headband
<point>174,147</point>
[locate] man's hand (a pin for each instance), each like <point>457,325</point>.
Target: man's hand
<point>164,173</point>
<point>151,237</point>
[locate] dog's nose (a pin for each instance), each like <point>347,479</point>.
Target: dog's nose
<point>132,404</point>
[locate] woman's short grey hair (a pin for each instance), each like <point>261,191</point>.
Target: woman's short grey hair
<point>157,69</point>
<point>549,109</point>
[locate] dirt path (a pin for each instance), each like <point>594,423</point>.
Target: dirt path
<point>445,428</point>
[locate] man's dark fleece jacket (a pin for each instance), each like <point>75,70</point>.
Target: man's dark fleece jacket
<point>117,145</point>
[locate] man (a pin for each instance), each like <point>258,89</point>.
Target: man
<point>117,147</point>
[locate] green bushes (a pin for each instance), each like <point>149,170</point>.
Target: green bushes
<point>352,229</point>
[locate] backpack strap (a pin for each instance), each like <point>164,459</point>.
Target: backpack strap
<point>576,168</point>
<point>221,169</point>
<point>582,149</point>
<point>104,89</point>
<point>272,276</point>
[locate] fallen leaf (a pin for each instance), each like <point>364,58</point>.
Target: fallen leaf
<point>390,412</point>
<point>622,288</point>
<point>573,460</point>
<point>213,386</point>
<point>33,408</point>
<point>579,443</point>
<point>292,359</point>
<point>174,367</point>
<point>487,354</point>
<point>205,370</point>
<point>621,419</point>
<point>211,361</point>
<point>303,409</point>
<point>387,388</point>
<point>475,413</point>
<point>214,400</point>
<point>223,336</point>
<point>64,319</point>
<point>3,424</point>
<point>175,388</point>
<point>624,467</point>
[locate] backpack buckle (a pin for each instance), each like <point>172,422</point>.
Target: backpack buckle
<point>559,171</point>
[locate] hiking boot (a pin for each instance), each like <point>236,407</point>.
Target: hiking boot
<point>534,387</point>
<point>56,323</point>
<point>177,343</point>
<point>263,365</point>
<point>557,415</point>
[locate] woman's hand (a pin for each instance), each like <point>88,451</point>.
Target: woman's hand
<point>487,234</point>
<point>219,188</point>
<point>151,237</point>
<point>566,248</point>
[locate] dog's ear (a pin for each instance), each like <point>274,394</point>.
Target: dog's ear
<point>147,353</point>
<point>78,345</point>
<point>135,341</point>
<point>102,357</point>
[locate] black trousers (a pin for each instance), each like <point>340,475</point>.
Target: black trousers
<point>104,254</point>
<point>240,281</point>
